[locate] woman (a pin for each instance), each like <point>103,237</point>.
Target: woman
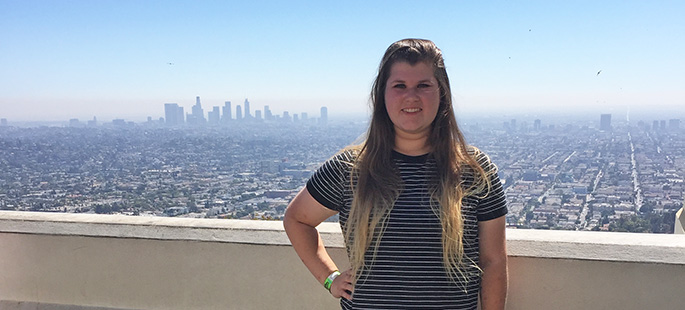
<point>422,213</point>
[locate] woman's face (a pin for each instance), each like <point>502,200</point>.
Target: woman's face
<point>412,98</point>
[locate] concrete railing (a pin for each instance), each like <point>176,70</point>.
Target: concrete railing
<point>98,262</point>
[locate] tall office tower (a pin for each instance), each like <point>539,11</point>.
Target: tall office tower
<point>662,124</point>
<point>323,120</point>
<point>180,118</point>
<point>238,113</point>
<point>214,116</point>
<point>173,114</point>
<point>296,118</point>
<point>94,122</point>
<point>169,112</point>
<point>286,116</point>
<point>247,109</point>
<point>674,124</point>
<point>210,117</point>
<point>512,125</point>
<point>303,116</point>
<point>258,114</point>
<point>267,113</point>
<point>74,122</point>
<point>537,125</point>
<point>655,125</point>
<point>3,122</point>
<point>227,112</point>
<point>605,122</point>
<point>198,114</point>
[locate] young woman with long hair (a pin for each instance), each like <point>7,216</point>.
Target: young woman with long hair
<point>421,211</point>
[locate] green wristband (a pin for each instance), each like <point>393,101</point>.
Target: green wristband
<point>329,280</point>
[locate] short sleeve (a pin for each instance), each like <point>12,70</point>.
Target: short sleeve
<point>327,184</point>
<point>494,204</point>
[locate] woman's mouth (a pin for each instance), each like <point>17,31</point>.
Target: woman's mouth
<point>411,110</point>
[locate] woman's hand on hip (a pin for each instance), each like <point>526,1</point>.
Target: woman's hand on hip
<point>342,285</point>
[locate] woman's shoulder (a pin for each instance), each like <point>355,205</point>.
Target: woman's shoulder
<point>343,161</point>
<point>347,155</point>
<point>481,158</point>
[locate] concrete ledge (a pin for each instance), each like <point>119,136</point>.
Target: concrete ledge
<point>157,228</point>
<point>600,246</point>
<point>583,245</point>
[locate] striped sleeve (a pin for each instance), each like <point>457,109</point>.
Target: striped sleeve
<point>327,184</point>
<point>494,204</point>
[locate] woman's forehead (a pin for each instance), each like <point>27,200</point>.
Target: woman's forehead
<point>406,71</point>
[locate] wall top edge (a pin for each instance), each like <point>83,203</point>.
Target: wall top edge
<point>610,246</point>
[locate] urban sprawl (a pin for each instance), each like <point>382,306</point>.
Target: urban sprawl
<point>598,175</point>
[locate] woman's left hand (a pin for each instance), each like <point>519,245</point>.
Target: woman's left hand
<point>342,285</point>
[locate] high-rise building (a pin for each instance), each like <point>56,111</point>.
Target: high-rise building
<point>247,109</point>
<point>537,124</point>
<point>605,122</point>
<point>303,116</point>
<point>227,112</point>
<point>119,122</point>
<point>170,112</point>
<point>323,120</point>
<point>662,124</point>
<point>173,114</point>
<point>674,124</point>
<point>286,116</point>
<point>238,113</point>
<point>197,117</point>
<point>180,118</point>
<point>94,122</point>
<point>655,125</point>
<point>3,122</point>
<point>258,114</point>
<point>296,118</point>
<point>214,116</point>
<point>267,113</point>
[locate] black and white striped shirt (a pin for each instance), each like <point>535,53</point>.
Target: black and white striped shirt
<point>408,271</point>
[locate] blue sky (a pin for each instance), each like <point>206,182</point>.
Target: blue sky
<point>110,59</point>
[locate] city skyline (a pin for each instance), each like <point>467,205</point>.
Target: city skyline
<point>174,114</point>
<point>124,59</point>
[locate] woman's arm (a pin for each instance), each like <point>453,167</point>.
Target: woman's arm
<point>493,261</point>
<point>301,218</point>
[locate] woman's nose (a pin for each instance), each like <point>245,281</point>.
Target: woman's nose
<point>412,93</point>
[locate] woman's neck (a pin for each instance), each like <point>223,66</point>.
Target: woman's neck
<point>412,145</point>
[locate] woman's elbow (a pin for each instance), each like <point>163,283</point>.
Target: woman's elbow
<point>287,219</point>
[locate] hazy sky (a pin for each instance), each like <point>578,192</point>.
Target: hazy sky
<point>125,59</point>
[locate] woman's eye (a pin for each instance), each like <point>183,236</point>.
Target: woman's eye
<point>422,85</point>
<point>400,86</point>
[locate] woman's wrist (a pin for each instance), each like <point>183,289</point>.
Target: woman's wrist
<point>329,280</point>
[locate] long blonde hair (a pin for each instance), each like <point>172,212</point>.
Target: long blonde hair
<point>378,183</point>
